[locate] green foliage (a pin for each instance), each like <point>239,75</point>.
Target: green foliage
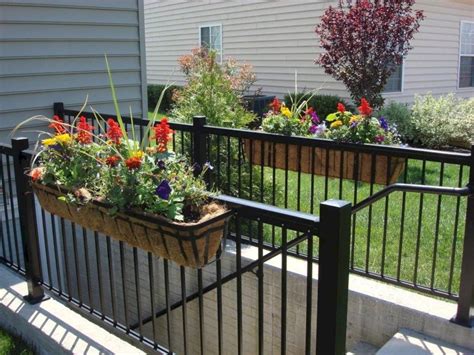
<point>209,92</point>
<point>399,115</point>
<point>322,104</point>
<point>154,92</point>
<point>10,345</point>
<point>443,121</point>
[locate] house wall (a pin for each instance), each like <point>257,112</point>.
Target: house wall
<point>278,37</point>
<point>53,50</point>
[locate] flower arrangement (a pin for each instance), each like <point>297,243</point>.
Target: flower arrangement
<point>342,126</point>
<point>120,170</point>
<point>114,169</point>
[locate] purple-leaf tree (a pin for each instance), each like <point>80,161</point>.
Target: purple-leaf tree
<point>364,40</point>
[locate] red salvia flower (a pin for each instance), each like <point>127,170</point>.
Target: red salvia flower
<point>163,134</point>
<point>84,131</point>
<point>133,163</point>
<point>364,107</point>
<point>275,105</point>
<point>57,125</point>
<point>114,133</point>
<point>341,108</point>
<point>112,161</point>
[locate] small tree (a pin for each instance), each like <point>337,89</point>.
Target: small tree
<point>364,40</point>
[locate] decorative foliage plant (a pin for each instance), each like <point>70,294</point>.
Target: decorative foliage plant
<point>363,41</point>
<point>213,90</point>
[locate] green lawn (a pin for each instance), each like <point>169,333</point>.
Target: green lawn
<point>10,345</point>
<point>429,244</point>
<point>160,114</point>
<point>435,238</point>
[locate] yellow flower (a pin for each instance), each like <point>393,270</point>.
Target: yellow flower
<point>286,111</point>
<point>64,138</point>
<point>137,154</point>
<point>354,119</point>
<point>49,141</point>
<point>336,124</point>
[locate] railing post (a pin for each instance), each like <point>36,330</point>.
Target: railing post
<point>26,212</point>
<point>199,142</point>
<point>465,312</point>
<point>333,280</point>
<point>58,109</point>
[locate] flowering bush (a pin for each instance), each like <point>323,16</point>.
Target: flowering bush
<point>119,170</point>
<point>342,125</point>
<point>209,91</point>
<point>443,121</point>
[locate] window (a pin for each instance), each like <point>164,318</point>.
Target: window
<point>466,55</point>
<point>210,36</point>
<point>394,83</point>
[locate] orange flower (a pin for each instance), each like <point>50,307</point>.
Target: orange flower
<point>112,161</point>
<point>133,163</point>
<point>37,174</point>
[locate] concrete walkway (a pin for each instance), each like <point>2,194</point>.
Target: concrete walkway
<point>50,327</point>
<point>409,342</point>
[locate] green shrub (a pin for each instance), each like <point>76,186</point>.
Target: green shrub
<point>154,92</point>
<point>322,104</point>
<point>400,115</point>
<point>443,121</point>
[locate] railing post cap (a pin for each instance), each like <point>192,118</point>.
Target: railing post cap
<point>20,143</point>
<point>199,120</point>
<point>336,204</point>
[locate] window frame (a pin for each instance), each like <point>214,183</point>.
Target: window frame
<point>462,55</point>
<point>402,84</point>
<point>220,28</point>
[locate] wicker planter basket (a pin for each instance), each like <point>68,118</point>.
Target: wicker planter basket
<point>326,162</point>
<point>187,244</point>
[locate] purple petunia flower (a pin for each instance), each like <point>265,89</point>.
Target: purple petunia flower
<point>161,164</point>
<point>197,168</point>
<point>383,123</point>
<point>163,190</point>
<point>315,118</point>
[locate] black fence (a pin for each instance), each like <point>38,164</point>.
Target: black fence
<point>412,225</point>
<point>413,238</point>
<point>151,299</point>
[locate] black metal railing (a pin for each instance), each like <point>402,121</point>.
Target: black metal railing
<point>412,239</point>
<point>142,295</point>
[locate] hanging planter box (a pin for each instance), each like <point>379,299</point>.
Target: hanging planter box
<point>327,162</point>
<point>187,244</point>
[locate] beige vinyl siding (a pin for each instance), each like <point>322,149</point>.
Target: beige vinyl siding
<point>53,51</point>
<point>278,37</point>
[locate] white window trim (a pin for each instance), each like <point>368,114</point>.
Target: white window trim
<point>402,86</point>
<point>468,88</point>
<point>213,25</point>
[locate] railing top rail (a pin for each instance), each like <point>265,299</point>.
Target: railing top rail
<point>425,189</point>
<point>395,151</point>
<point>6,149</point>
<point>143,122</point>
<point>293,220</point>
